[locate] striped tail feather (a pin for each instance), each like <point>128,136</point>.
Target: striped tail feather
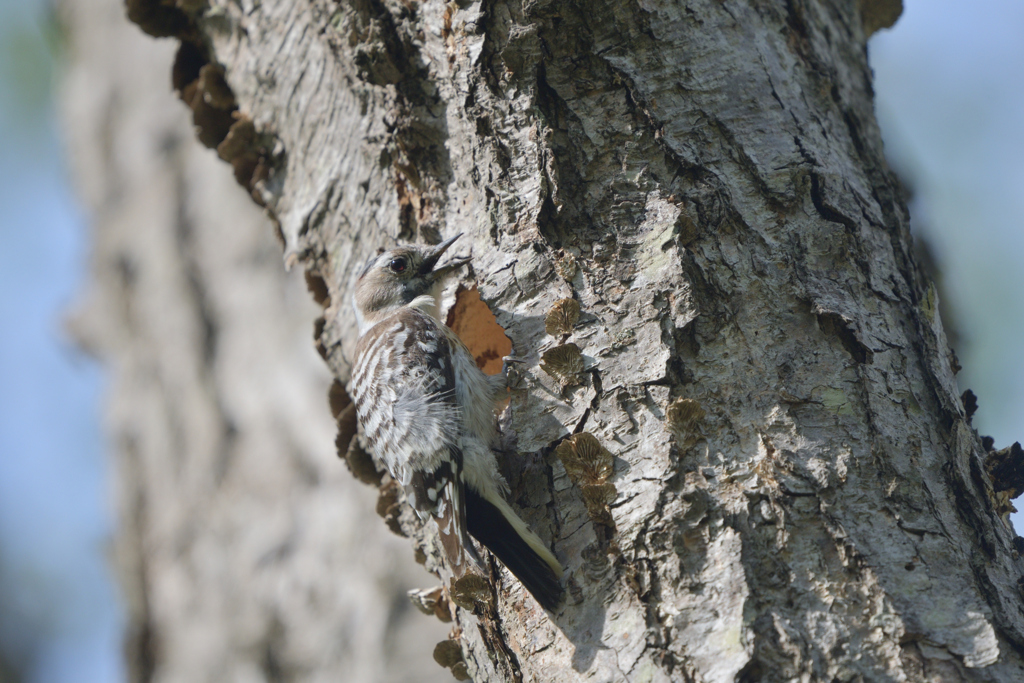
<point>499,528</point>
<point>450,515</point>
<point>441,493</point>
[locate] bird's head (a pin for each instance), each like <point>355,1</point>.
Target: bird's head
<point>400,277</point>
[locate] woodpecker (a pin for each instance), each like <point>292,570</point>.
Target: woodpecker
<point>427,412</point>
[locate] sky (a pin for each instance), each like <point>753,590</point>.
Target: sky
<point>60,619</point>
<point>949,83</point>
<point>948,97</point>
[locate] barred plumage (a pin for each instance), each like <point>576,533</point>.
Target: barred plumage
<point>427,412</point>
<point>403,385</point>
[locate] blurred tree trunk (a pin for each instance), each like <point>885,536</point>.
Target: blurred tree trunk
<point>797,492</point>
<point>246,551</point>
<point>7,672</point>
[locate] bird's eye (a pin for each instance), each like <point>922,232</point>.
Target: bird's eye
<point>397,265</point>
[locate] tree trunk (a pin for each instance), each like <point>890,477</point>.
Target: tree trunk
<point>246,551</point>
<point>797,492</point>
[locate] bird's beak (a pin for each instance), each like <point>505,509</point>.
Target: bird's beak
<point>427,267</point>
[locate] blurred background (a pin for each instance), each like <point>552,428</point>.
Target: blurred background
<point>948,98</point>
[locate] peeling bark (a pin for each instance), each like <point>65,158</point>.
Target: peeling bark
<point>796,490</point>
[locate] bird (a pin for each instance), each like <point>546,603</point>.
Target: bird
<point>427,412</point>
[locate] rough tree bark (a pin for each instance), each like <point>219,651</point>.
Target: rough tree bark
<point>796,490</point>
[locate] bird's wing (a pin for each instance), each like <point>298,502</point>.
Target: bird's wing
<point>403,385</point>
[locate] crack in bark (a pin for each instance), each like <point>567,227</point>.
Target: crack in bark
<point>595,404</point>
<point>827,212</point>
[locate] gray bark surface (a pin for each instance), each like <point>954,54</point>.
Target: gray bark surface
<point>245,550</point>
<point>797,492</point>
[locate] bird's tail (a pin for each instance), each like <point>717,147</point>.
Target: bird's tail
<point>496,525</point>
